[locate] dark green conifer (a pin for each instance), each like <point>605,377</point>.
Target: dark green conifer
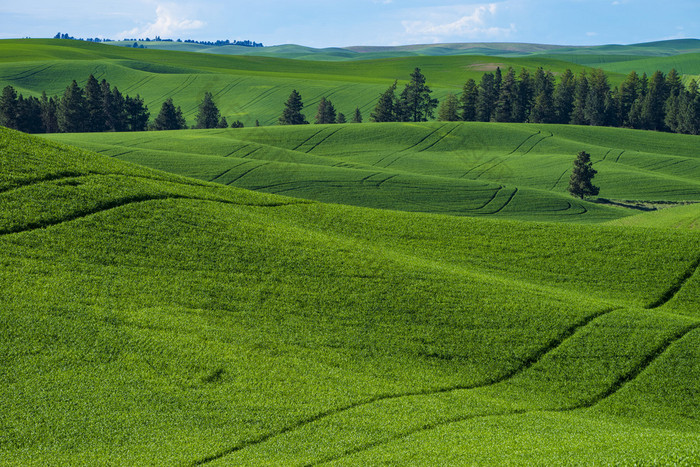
<point>291,115</point>
<point>580,183</point>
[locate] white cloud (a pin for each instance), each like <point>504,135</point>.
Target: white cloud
<point>475,24</point>
<point>170,21</point>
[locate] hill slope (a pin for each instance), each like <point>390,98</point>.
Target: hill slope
<point>150,318</point>
<point>475,169</point>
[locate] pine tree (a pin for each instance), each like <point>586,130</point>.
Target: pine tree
<point>449,108</point>
<point>468,100</point>
<point>543,106</point>
<point>169,117</point>
<point>222,123</point>
<point>291,115</point>
<point>580,183</point>
<point>415,101</point>
<point>564,97</point>
<point>8,107</point>
<point>72,110</point>
<point>506,100</point>
<point>653,104</point>
<point>629,93</point>
<point>341,118</point>
<point>578,115</point>
<point>357,116</point>
<point>208,115</point>
<point>29,115</point>
<point>598,94</point>
<point>48,114</point>
<point>385,110</point>
<point>326,112</point>
<point>137,113</point>
<point>94,103</point>
<point>486,101</point>
<point>523,103</point>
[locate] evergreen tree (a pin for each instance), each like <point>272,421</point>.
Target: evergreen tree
<point>505,106</point>
<point>486,99</point>
<point>8,107</point>
<point>291,115</point>
<point>341,118</point>
<point>95,106</point>
<point>326,112</point>
<point>222,123</point>
<point>598,94</point>
<point>415,101</point>
<point>629,92</point>
<point>114,104</point>
<point>257,122</point>
<point>468,100</point>
<point>357,116</point>
<point>578,115</point>
<point>169,117</point>
<point>674,85</point>
<point>137,113</point>
<point>543,106</point>
<point>580,183</point>
<point>564,97</point>
<point>208,115</point>
<point>238,124</point>
<point>385,110</point>
<point>449,108</point>
<point>523,102</point>
<point>49,119</point>
<point>497,81</point>
<point>72,110</point>
<point>652,115</point>
<point>29,115</point>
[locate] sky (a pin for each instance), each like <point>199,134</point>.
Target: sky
<point>330,23</point>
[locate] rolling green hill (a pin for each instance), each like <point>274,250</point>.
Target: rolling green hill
<point>245,88</point>
<point>516,171</point>
<point>150,318</point>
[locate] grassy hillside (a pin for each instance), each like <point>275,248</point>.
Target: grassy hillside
<point>150,318</point>
<point>245,88</point>
<point>474,169</point>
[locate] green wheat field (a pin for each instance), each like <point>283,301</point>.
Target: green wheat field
<point>354,294</point>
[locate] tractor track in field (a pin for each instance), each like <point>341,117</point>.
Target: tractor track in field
<point>28,73</point>
<point>613,389</point>
<point>440,138</point>
<point>228,170</point>
<point>559,179</point>
<point>514,151</point>
<point>259,97</point>
<point>237,149</point>
<point>619,156</point>
<point>307,140</point>
<point>378,185</point>
<point>676,286</point>
<point>139,83</point>
<point>488,201</point>
<point>510,198</point>
<point>187,82</point>
<point>247,172</point>
<point>496,157</point>
<point>530,361</point>
<point>401,151</point>
<point>323,140</point>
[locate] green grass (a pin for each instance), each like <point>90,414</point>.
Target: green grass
<point>245,88</point>
<point>150,318</point>
<point>466,169</point>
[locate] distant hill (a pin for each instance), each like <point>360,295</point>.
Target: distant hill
<point>498,49</point>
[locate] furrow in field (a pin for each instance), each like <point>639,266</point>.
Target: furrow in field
<point>323,140</point>
<point>27,73</point>
<point>613,389</point>
<point>237,149</point>
<point>259,97</point>
<point>510,198</point>
<point>527,363</point>
<point>440,138</point>
<point>138,84</point>
<point>227,171</point>
<point>382,159</point>
<point>177,89</point>
<point>676,286</point>
<point>30,70</point>
<point>524,141</point>
<point>619,156</point>
<point>246,173</point>
<point>496,157</point>
<point>306,140</point>
<point>559,179</point>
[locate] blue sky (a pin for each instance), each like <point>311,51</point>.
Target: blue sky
<point>319,23</point>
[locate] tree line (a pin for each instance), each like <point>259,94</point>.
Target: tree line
<point>97,107</point>
<point>660,102</point>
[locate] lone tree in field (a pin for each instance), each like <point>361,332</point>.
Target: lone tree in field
<point>208,115</point>
<point>292,111</point>
<point>580,183</point>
